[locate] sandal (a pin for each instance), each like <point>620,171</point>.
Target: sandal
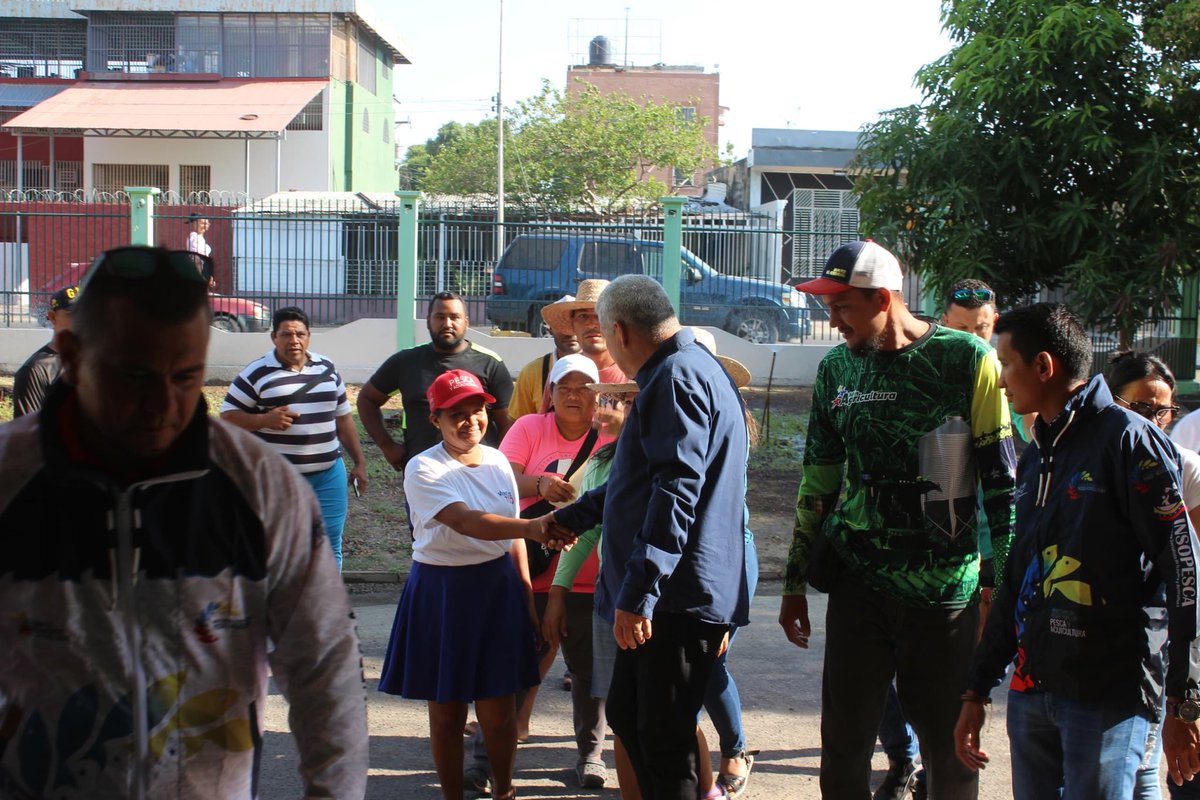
<point>734,785</point>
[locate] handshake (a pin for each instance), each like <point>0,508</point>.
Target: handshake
<point>549,533</point>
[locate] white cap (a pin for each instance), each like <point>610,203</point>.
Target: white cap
<point>575,362</point>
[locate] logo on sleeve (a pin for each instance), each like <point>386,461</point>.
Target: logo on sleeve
<point>1143,474</point>
<point>216,617</point>
<point>1170,507</point>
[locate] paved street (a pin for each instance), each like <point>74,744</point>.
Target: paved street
<point>780,688</point>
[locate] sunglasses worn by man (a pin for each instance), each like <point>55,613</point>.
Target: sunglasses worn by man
<point>982,295</point>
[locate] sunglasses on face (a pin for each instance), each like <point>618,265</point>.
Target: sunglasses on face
<point>1160,414</point>
<point>139,263</point>
<point>982,295</point>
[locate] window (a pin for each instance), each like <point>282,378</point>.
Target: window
<point>386,126</point>
<point>366,121</point>
<point>115,177</point>
<point>534,253</point>
<point>131,42</point>
<point>686,113</point>
<point>310,117</point>
<point>681,178</point>
<point>366,70</point>
<point>610,259</point>
<point>42,48</point>
<point>194,179</point>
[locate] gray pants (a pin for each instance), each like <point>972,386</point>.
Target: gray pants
<point>869,640</point>
<point>587,711</point>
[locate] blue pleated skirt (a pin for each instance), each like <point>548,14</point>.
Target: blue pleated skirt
<point>461,634</point>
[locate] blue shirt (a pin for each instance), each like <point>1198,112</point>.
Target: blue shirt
<point>674,502</point>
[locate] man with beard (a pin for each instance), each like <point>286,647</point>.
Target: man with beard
<point>410,373</point>
<point>911,414</point>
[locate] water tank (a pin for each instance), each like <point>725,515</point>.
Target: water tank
<point>599,53</point>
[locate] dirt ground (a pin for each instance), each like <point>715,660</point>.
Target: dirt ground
<point>376,536</point>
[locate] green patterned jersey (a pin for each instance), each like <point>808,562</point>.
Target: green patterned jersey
<point>907,438</point>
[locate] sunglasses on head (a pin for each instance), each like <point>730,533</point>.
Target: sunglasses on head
<point>982,295</point>
<point>139,263</point>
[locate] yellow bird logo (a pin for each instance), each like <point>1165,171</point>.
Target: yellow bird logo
<point>1056,568</point>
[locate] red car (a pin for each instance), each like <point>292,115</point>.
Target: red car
<point>233,314</point>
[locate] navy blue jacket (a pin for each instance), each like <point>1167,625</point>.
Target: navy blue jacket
<point>673,505</point>
<point>1101,532</point>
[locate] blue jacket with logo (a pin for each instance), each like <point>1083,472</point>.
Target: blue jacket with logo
<point>1101,532</point>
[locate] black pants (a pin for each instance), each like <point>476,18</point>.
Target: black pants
<point>657,691</point>
<point>868,640</point>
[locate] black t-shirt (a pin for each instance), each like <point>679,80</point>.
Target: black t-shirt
<point>411,372</point>
<point>32,379</point>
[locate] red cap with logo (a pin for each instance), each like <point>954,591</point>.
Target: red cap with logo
<point>453,387</point>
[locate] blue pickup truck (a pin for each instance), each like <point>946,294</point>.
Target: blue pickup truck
<point>539,268</point>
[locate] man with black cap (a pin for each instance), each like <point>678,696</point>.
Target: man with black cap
<point>41,369</point>
<point>908,415</point>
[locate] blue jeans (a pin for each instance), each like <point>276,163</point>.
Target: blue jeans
<point>898,738</point>
<point>330,488</point>
<point>1074,750</point>
<point>721,698</point>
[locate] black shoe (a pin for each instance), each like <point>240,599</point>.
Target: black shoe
<point>898,781</point>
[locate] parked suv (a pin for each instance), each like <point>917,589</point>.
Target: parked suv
<point>539,268</point>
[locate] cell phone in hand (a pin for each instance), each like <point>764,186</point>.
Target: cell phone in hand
<point>354,485</point>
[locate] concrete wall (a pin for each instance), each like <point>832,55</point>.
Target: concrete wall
<point>303,158</point>
<point>360,347</point>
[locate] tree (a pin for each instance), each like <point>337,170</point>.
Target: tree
<point>584,150</point>
<point>419,156</point>
<point>1055,147</point>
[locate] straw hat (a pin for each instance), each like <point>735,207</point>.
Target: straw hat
<point>628,387</point>
<point>558,314</point>
<point>736,369</point>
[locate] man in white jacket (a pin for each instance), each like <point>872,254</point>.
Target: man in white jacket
<point>154,563</point>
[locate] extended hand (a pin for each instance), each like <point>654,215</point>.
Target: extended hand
<point>793,618</point>
<point>548,532</point>
<point>966,735</point>
<point>631,630</point>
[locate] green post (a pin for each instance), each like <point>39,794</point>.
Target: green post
<point>141,214</point>
<point>672,247</point>
<point>1190,307</point>
<point>406,273</point>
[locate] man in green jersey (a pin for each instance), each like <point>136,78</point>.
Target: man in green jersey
<point>907,416</point>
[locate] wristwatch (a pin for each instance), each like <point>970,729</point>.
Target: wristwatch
<point>1187,710</point>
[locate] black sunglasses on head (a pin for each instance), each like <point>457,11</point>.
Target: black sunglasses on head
<point>982,295</point>
<point>138,263</point>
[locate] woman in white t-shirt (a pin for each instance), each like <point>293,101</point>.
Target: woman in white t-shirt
<point>1145,385</point>
<point>464,629</point>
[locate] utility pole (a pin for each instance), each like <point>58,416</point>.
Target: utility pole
<point>500,141</point>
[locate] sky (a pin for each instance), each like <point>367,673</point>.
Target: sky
<point>809,64</point>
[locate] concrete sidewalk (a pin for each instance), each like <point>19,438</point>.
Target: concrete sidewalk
<point>780,687</point>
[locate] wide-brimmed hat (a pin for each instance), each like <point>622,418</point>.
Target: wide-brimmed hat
<point>558,314</point>
<point>736,369</point>
<point>628,387</point>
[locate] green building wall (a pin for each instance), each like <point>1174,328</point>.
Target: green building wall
<point>363,161</point>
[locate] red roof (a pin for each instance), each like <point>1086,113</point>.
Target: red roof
<point>233,109</point>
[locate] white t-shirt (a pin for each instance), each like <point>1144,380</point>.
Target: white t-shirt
<point>197,244</point>
<point>1186,432</point>
<point>1191,476</point>
<point>433,480</point>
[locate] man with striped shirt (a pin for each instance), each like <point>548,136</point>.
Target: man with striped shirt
<point>294,400</point>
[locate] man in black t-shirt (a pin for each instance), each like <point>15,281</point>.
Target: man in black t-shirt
<point>41,369</point>
<point>409,373</point>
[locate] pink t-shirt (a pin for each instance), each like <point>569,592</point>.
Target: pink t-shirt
<point>535,442</point>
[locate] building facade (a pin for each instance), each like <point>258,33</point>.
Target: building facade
<point>102,94</point>
<point>695,92</point>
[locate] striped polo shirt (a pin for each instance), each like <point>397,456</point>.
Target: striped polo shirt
<point>311,443</point>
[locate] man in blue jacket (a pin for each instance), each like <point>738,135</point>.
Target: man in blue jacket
<point>1100,528</point>
<point>673,533</point>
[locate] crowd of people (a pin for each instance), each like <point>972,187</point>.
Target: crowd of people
<point>595,505</point>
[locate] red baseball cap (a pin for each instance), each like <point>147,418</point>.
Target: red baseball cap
<point>453,387</point>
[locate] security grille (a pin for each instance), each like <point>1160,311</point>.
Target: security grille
<point>196,178</point>
<point>309,118</point>
<point>115,177</point>
<point>822,219</point>
<point>41,48</point>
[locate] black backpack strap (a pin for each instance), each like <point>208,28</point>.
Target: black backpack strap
<point>585,450</point>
